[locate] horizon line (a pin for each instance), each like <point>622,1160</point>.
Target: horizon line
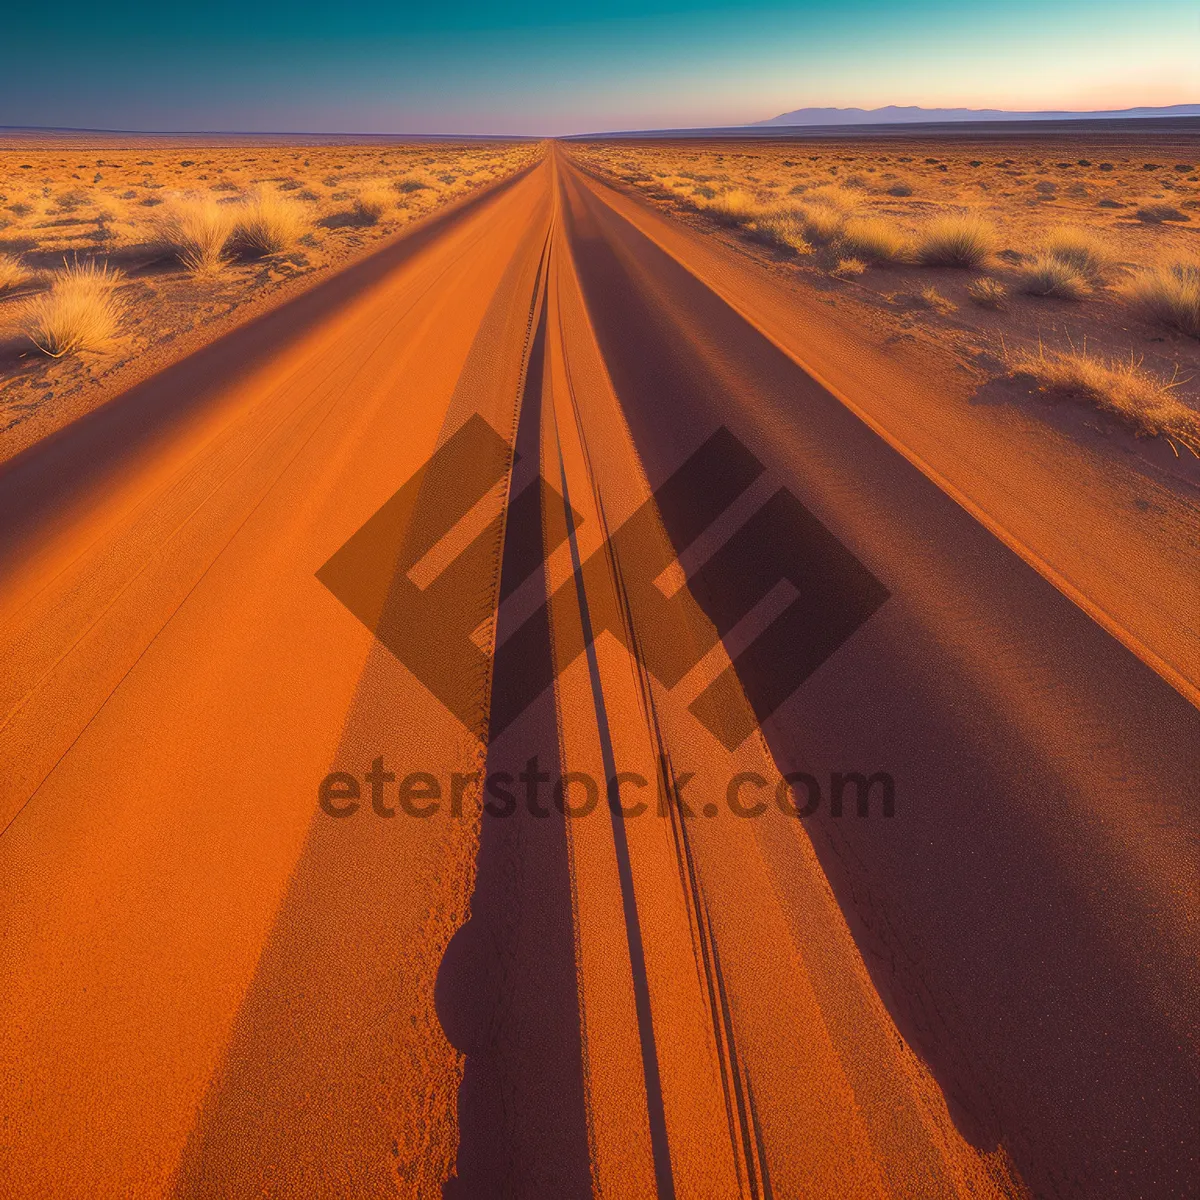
<point>1120,114</point>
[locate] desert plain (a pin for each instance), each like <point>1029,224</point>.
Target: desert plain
<point>610,667</point>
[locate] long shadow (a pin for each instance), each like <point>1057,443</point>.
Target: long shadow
<point>1035,982</point>
<point>507,993</point>
<point>337,1034</point>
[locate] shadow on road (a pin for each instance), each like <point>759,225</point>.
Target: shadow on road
<point>1031,976</point>
<point>507,993</point>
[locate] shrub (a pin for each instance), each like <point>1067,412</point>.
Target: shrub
<point>849,266</point>
<point>267,223</point>
<point>71,199</point>
<point>1049,276</point>
<point>79,312</point>
<point>988,293</point>
<point>962,240</point>
<point>1145,402</point>
<point>875,239</point>
<point>198,228</point>
<point>900,189</point>
<point>1169,295</point>
<point>13,273</point>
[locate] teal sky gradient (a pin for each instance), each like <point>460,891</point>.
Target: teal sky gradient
<point>374,67</point>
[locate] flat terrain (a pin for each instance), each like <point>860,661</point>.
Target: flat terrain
<point>563,477</point>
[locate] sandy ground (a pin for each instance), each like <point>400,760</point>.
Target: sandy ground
<point>219,988</point>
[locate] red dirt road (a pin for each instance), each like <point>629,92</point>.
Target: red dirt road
<point>211,987</point>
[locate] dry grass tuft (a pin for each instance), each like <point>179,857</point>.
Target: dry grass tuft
<point>414,181</point>
<point>962,240</point>
<point>198,228</point>
<point>1049,276</point>
<point>988,293</point>
<point>1145,402</point>
<point>1169,295</point>
<point>875,239</point>
<point>267,223</point>
<point>146,203</point>
<point>931,298</point>
<point>824,211</point>
<point>783,229</point>
<point>821,223</point>
<point>13,273</point>
<point>1087,253</point>
<point>838,199</point>
<point>79,312</point>
<point>734,207</point>
<point>372,203</point>
<point>849,266</point>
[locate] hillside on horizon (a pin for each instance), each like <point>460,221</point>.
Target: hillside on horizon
<point>901,114</point>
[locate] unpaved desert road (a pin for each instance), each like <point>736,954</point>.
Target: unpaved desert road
<point>309,547</point>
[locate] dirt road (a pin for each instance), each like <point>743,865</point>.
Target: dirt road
<point>308,553</point>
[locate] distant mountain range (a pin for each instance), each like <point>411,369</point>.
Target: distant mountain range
<point>898,115</point>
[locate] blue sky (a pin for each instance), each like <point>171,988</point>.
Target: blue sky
<point>472,67</point>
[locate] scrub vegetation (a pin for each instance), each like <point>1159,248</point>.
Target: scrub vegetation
<point>1145,401</point>
<point>109,254</point>
<point>1069,264</point>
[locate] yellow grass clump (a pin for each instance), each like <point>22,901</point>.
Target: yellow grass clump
<point>988,293</point>
<point>1145,402</point>
<point>932,299</point>
<point>734,207</point>
<point>823,211</point>
<point>849,266</point>
<point>875,239</point>
<point>372,203</point>
<point>1050,276</point>
<point>1169,295</point>
<point>13,273</point>
<point>414,181</point>
<point>1087,253</point>
<point>267,223</point>
<point>959,240</point>
<point>198,228</point>
<point>834,197</point>
<point>79,312</point>
<point>783,229</point>
<point>822,223</point>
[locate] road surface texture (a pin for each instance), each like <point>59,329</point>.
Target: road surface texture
<point>555,480</point>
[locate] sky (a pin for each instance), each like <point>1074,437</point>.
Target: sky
<point>474,67</point>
